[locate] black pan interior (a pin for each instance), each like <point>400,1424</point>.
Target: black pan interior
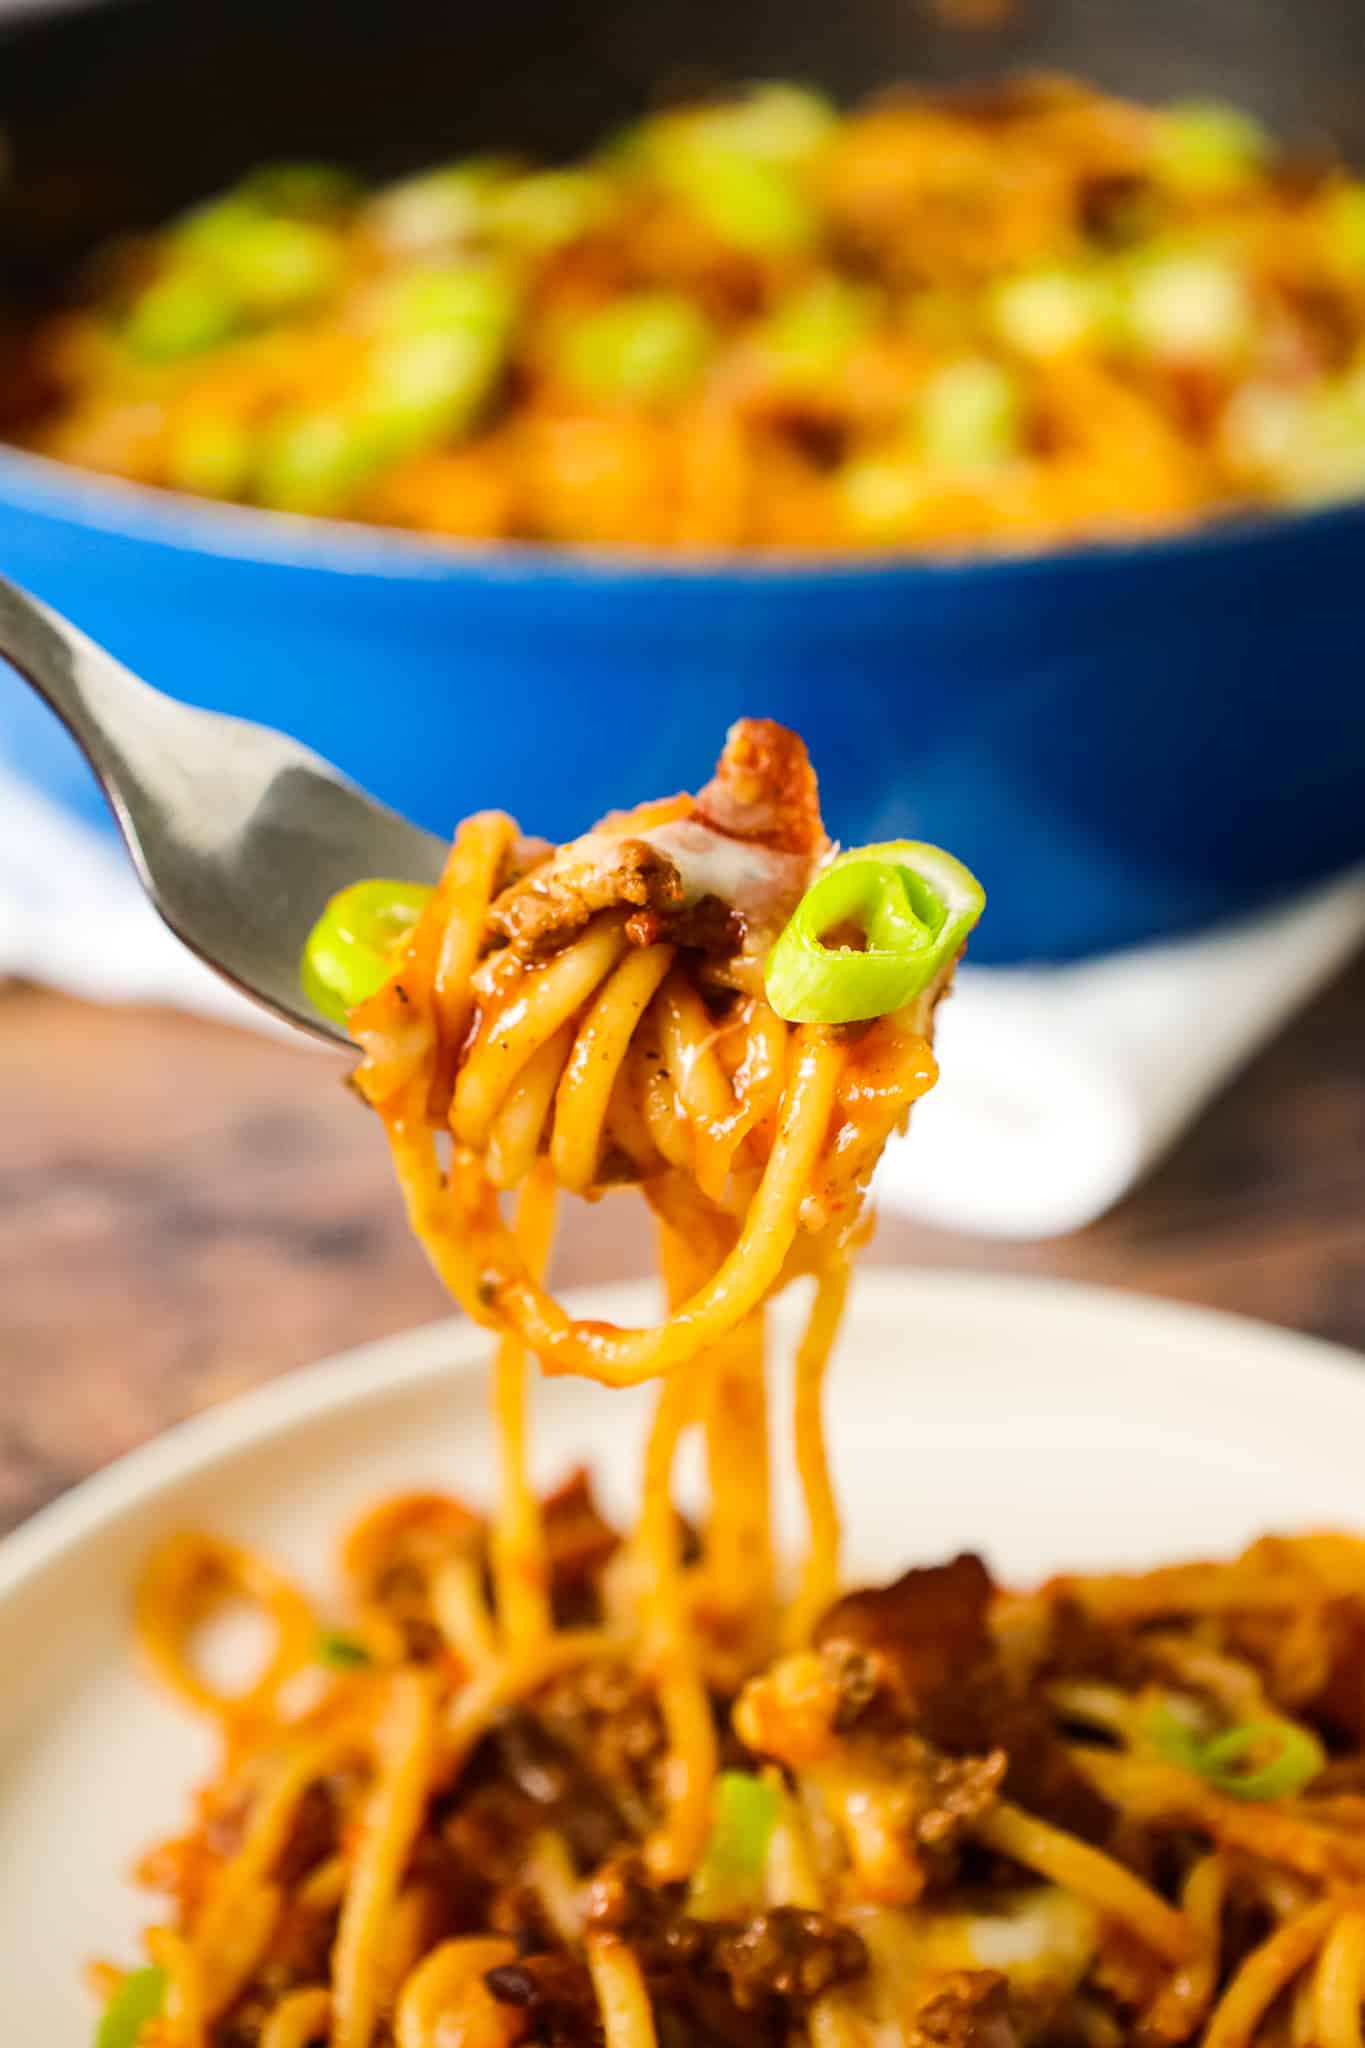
<point>118,113</point>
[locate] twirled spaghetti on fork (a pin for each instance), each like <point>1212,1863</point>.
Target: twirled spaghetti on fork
<point>550,1785</point>
<point>603,1014</point>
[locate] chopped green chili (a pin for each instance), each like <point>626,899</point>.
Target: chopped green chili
<point>1267,1759</point>
<point>138,1999</point>
<point>728,1880</point>
<point>913,906</point>
<point>347,953</point>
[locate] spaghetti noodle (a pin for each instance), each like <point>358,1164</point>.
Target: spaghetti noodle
<point>545,1783</point>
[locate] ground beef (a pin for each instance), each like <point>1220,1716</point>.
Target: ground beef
<point>915,1638</point>
<point>609,1720</point>
<point>964,2009</point>
<point>921,1655</point>
<point>555,1992</point>
<point>553,1775</point>
<point>708,926</point>
<point>947,1795</point>
<point>597,872</point>
<point>651,1917</point>
<point>769,1968</point>
<point>789,1957</point>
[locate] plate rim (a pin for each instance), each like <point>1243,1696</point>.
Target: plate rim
<point>451,1345</point>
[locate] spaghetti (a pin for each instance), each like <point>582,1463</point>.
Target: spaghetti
<point>547,1783</point>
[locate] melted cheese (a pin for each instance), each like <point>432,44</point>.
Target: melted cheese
<point>1042,1938</point>
<point>758,881</point>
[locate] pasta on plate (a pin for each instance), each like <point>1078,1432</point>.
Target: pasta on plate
<point>539,1780</point>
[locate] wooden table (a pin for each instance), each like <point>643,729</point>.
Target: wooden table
<point>186,1210</point>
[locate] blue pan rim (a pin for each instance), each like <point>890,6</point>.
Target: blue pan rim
<point>40,485</point>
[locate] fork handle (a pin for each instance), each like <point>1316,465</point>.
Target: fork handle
<point>90,692</point>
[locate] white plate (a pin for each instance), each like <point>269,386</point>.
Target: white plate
<point>1045,1424</point>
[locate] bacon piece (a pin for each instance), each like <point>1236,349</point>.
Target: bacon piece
<point>764,790</point>
<point>963,2009</point>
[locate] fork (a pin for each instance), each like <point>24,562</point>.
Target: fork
<point>239,834</point>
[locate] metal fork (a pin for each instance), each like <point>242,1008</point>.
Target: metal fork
<point>239,835</point>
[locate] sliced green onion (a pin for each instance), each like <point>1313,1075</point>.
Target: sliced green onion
<point>348,952</point>
<point>728,1880</point>
<point>1189,308</point>
<point>1236,1761</point>
<point>913,904</point>
<point>342,1652</point>
<point>813,330</point>
<point>180,314</point>
<point>313,462</point>
<point>440,298</point>
<point>748,201</point>
<point>1046,313</point>
<point>970,415</point>
<point>425,388</point>
<point>210,456</point>
<point>548,208</point>
<point>1204,148</point>
<point>277,266</point>
<point>644,349</point>
<point>138,1999</point>
<point>437,209</point>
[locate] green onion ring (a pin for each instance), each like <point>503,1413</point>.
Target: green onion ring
<point>728,1879</point>
<point>1223,1760</point>
<point>347,955</point>
<point>914,905</point>
<point>138,1999</point>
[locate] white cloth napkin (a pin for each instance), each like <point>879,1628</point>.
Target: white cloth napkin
<point>1061,1085</point>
